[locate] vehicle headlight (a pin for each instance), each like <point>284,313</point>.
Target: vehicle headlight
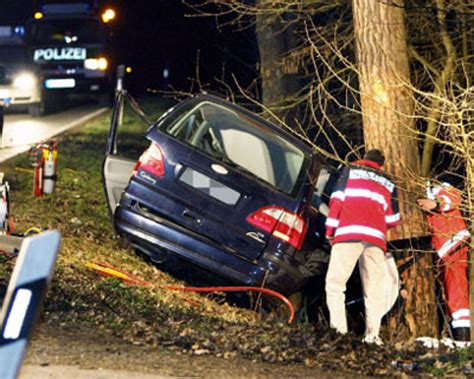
<point>96,64</point>
<point>24,81</point>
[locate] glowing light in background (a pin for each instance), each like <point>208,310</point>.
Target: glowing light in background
<point>108,15</point>
<point>96,64</point>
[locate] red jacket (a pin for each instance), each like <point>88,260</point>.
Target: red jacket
<point>448,227</point>
<point>363,206</point>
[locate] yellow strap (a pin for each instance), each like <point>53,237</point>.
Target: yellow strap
<point>33,229</point>
<point>108,271</point>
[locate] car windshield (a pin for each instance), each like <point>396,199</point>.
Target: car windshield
<point>14,55</point>
<point>71,31</point>
<point>233,138</point>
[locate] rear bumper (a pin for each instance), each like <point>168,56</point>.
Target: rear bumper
<point>17,97</point>
<point>153,235</point>
<point>164,235</point>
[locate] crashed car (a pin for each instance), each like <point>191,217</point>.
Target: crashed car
<point>223,189</point>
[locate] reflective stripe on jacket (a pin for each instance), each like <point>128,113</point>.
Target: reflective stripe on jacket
<point>363,205</point>
<point>448,227</point>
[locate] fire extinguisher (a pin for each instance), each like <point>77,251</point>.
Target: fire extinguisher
<point>37,157</point>
<point>50,158</point>
<point>6,223</point>
<point>45,158</point>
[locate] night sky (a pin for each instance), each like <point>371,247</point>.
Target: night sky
<point>163,34</point>
<point>151,35</point>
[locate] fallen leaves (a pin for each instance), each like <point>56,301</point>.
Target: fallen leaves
<point>190,324</point>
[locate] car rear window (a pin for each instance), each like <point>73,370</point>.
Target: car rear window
<point>231,137</point>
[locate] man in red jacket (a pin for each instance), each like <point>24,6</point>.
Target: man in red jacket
<point>362,207</point>
<point>450,238</point>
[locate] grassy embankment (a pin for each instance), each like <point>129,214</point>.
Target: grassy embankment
<point>155,316</point>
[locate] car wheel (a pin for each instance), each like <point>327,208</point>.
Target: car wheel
<point>296,300</point>
<point>123,243</point>
<point>37,110</point>
<point>104,100</point>
<point>275,309</point>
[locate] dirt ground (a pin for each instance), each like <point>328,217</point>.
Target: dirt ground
<point>60,352</point>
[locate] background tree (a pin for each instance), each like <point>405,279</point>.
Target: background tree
<point>441,40</point>
<point>276,36</point>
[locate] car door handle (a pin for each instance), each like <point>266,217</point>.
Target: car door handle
<point>192,217</point>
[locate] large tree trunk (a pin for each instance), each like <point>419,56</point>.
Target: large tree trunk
<point>276,36</point>
<point>387,112</point>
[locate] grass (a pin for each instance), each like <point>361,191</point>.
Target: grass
<point>153,315</point>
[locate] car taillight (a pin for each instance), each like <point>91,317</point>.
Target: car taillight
<point>282,224</point>
<point>152,161</point>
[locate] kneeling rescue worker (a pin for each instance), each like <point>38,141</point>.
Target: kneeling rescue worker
<point>361,209</point>
<point>450,238</point>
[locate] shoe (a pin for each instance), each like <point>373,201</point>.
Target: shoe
<point>373,339</point>
<point>462,334</point>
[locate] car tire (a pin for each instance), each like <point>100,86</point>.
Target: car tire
<point>296,300</point>
<point>104,100</point>
<point>47,104</point>
<point>37,110</point>
<point>124,243</point>
<point>275,309</point>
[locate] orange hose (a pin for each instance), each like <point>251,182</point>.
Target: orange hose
<point>239,289</point>
<point>134,280</point>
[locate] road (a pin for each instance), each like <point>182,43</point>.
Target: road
<point>73,372</point>
<point>21,131</point>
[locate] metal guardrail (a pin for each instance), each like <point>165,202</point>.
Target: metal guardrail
<point>26,289</point>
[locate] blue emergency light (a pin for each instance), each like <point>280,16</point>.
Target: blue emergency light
<point>12,31</point>
<point>71,8</point>
<point>19,31</point>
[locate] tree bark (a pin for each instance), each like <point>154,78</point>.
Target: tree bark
<point>272,47</point>
<point>388,124</point>
<point>276,37</point>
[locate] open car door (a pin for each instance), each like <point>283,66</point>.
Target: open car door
<point>126,141</point>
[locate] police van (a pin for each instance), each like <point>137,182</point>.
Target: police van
<point>20,88</point>
<point>70,44</point>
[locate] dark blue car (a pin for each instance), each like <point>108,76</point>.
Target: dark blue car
<point>223,189</point>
